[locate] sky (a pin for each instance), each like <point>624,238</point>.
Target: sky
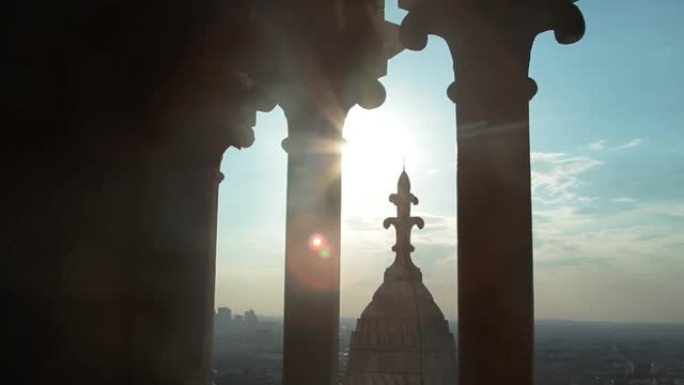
<point>607,157</point>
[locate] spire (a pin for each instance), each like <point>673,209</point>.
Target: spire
<point>403,267</point>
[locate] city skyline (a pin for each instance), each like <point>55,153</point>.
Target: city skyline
<point>566,353</point>
<point>606,144</point>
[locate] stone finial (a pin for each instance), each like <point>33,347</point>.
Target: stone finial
<point>403,267</point>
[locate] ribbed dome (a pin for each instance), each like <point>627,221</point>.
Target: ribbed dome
<point>402,337</point>
<point>403,299</point>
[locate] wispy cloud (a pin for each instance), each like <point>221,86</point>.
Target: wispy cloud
<point>631,144</point>
<point>608,266</point>
<point>677,211</point>
<point>624,200</point>
<point>626,289</point>
<point>438,230</point>
<point>604,262</point>
<point>602,144</point>
<point>598,145</point>
<point>555,176</point>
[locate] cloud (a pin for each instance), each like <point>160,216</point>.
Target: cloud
<point>623,289</point>
<point>602,144</point>
<point>370,223</point>
<point>625,264</point>
<point>598,145</point>
<point>555,176</point>
<point>438,230</point>
<point>631,144</point>
<point>677,211</point>
<point>624,200</point>
<point>628,230</point>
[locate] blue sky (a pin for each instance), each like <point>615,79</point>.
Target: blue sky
<point>607,162</point>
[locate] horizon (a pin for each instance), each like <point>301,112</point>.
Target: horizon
<point>350,318</point>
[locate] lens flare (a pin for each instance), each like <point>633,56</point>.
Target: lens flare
<point>316,242</point>
<point>319,245</point>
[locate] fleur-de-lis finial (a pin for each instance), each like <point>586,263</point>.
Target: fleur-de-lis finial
<point>403,267</point>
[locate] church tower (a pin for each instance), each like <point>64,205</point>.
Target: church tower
<point>402,337</point>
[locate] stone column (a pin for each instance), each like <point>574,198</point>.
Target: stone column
<point>176,280</point>
<point>312,250</point>
<point>176,287</point>
<point>312,258</point>
<point>119,114</point>
<point>329,56</point>
<point>490,44</point>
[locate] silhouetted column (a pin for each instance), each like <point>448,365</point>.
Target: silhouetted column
<point>176,287</point>
<point>490,44</point>
<point>176,280</point>
<point>312,250</point>
<point>312,258</point>
<point>117,134</point>
<point>329,55</point>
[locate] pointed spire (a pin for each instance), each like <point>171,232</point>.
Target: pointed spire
<point>403,267</point>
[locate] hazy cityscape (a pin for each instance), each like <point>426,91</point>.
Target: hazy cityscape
<point>248,351</point>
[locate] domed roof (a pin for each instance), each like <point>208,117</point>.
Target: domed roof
<point>402,299</point>
<point>402,336</point>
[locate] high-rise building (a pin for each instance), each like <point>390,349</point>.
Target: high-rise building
<point>402,336</point>
<point>222,320</point>
<point>251,318</point>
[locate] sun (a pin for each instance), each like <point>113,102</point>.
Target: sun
<point>378,145</point>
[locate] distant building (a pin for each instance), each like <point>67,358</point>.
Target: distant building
<point>223,319</point>
<point>644,369</point>
<point>402,336</point>
<point>251,318</point>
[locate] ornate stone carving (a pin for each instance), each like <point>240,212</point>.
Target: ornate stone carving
<point>209,102</point>
<point>403,223</point>
<point>483,35</point>
<point>321,58</point>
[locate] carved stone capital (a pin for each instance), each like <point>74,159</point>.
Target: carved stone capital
<point>210,99</point>
<point>241,114</point>
<point>313,145</point>
<point>320,58</point>
<point>490,41</point>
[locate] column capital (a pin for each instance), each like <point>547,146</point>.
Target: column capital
<point>490,41</point>
<point>320,58</point>
<point>210,99</point>
<point>207,119</point>
<point>313,145</point>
